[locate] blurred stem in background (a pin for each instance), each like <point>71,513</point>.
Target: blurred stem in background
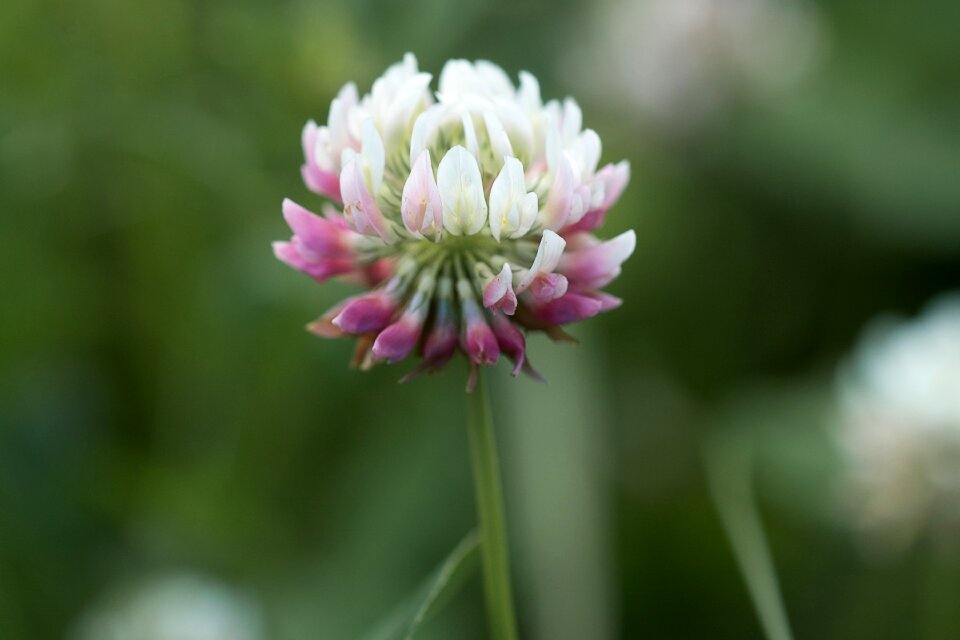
<point>556,460</point>
<point>939,614</point>
<point>728,467</point>
<point>493,534</point>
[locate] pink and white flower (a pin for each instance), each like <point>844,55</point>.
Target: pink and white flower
<point>467,211</point>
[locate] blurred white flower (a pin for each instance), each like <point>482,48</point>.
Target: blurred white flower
<point>176,607</point>
<point>900,427</point>
<point>680,61</point>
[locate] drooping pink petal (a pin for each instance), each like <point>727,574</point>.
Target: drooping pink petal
<point>607,301</point>
<point>398,340</point>
<point>597,265</point>
<point>440,343</point>
<point>478,341</point>
<point>510,340</point>
<point>572,307</point>
<point>367,313</point>
<point>498,294</point>
<point>319,269</point>
<point>318,236</point>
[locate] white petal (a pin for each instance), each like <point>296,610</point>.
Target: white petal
<point>455,76</point>
<point>529,94</point>
<point>528,215</point>
<point>324,152</point>
<point>548,256</point>
<point>424,128</point>
<point>588,152</point>
<point>498,136</point>
<point>549,252</point>
<point>507,195</point>
<point>461,191</point>
<point>337,123</point>
<point>410,95</point>
<point>348,94</point>
<point>621,247</point>
<point>374,156</point>
<point>470,133</point>
<point>556,210</point>
<point>346,155</point>
<point>553,148</point>
<point>518,125</point>
<point>496,81</point>
<point>500,202</point>
<point>572,120</point>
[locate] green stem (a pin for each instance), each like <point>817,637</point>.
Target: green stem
<point>493,534</point>
<point>939,616</point>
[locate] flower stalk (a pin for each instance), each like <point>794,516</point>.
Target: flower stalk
<point>490,512</point>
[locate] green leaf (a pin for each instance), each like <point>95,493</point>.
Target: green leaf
<point>405,621</point>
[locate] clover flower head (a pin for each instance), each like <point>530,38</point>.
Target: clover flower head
<point>900,427</point>
<point>468,211</point>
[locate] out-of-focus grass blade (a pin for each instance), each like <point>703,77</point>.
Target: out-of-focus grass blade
<point>406,619</point>
<point>728,467</point>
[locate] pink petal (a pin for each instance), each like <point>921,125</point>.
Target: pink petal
<point>511,341</point>
<point>598,265</point>
<point>366,313</point>
<point>319,269</point>
<point>360,208</point>
<point>322,237</point>
<point>420,205</point>
<point>325,183</point>
<point>560,197</point>
<point>398,340</point>
<point>440,344</point>
<point>569,308</point>
<point>615,178</point>
<point>548,286</point>
<point>499,293</point>
<point>478,341</point>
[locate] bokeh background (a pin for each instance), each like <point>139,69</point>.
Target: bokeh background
<point>796,171</point>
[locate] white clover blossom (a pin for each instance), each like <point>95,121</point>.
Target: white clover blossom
<point>900,427</point>
<point>681,61</point>
<point>469,212</point>
<point>180,606</point>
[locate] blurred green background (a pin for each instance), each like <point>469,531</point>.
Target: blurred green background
<point>162,408</point>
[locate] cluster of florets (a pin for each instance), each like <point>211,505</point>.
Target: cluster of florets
<point>469,214</point>
<point>900,428</point>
